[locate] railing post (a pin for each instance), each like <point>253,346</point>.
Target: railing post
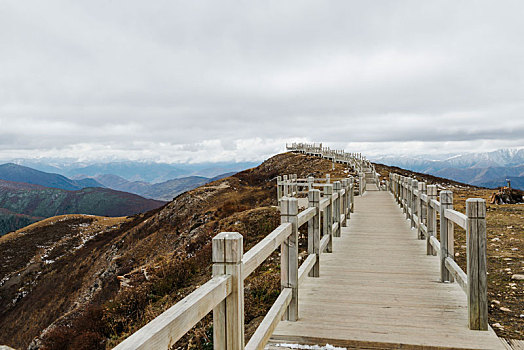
<point>313,231</point>
<point>446,234</point>
<point>414,200</point>
<point>476,266</point>
<point>360,184</point>
<point>295,184</point>
<point>285,186</point>
<point>345,202</point>
<point>432,219</point>
<point>228,316</point>
<point>398,178</point>
<point>310,182</point>
<point>336,207</point>
<point>351,195</point>
<point>279,188</point>
<point>327,178</point>
<point>289,256</point>
<point>328,217</point>
<point>420,209</point>
<point>408,197</point>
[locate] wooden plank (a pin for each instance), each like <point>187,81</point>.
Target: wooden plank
<point>446,235</point>
<point>435,244</point>
<point>261,336</point>
<point>334,227</point>
<point>457,272</point>
<point>305,215</point>
<point>324,203</point>
<point>263,249</point>
<point>457,217</point>
<point>477,269</point>
<point>424,198</point>
<point>313,231</point>
<point>435,205</point>
<point>306,267</point>
<point>228,316</point>
<point>163,331</point>
<point>513,344</point>
<point>289,255</point>
<point>324,243</point>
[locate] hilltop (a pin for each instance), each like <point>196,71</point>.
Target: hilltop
<point>89,285</point>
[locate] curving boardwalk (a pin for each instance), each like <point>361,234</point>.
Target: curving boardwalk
<point>379,290</point>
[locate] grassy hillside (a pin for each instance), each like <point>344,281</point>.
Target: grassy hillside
<point>24,203</point>
<point>127,273</point>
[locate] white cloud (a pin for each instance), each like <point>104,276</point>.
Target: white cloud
<point>235,80</point>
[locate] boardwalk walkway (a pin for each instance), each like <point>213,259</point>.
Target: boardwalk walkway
<point>379,289</point>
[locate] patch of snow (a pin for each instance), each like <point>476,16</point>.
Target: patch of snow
<point>309,347</point>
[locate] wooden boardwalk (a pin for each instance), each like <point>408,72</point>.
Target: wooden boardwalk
<point>379,290</point>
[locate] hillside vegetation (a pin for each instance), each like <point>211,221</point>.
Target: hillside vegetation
<point>123,275</point>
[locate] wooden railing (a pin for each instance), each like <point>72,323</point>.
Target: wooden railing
<point>327,212</point>
<point>420,205</point>
<point>292,186</point>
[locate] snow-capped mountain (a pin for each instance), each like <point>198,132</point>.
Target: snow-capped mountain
<point>489,169</point>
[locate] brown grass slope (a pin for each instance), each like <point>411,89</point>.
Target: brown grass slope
<point>90,290</point>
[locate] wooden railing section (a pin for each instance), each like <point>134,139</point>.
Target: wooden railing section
<point>224,294</point>
<point>418,201</point>
<point>365,169</point>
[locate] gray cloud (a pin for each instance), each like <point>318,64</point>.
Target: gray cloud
<point>208,80</point>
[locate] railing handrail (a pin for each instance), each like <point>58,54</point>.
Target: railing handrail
<point>420,205</point>
<point>224,292</point>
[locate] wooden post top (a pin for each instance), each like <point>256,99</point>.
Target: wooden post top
<point>328,189</point>
<point>446,197</point>
<point>288,206</point>
<point>431,190</point>
<point>313,195</point>
<point>227,247</point>
<point>422,186</point>
<point>476,208</point>
<point>337,185</point>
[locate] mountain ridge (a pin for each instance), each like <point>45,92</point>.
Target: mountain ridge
<point>24,203</point>
<point>479,169</point>
<point>19,173</point>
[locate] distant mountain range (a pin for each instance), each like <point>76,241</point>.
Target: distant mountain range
<point>166,190</point>
<point>28,195</point>
<point>22,203</point>
<point>486,169</point>
<point>19,173</point>
<point>150,172</point>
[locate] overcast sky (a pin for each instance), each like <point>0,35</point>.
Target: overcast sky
<point>234,80</point>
